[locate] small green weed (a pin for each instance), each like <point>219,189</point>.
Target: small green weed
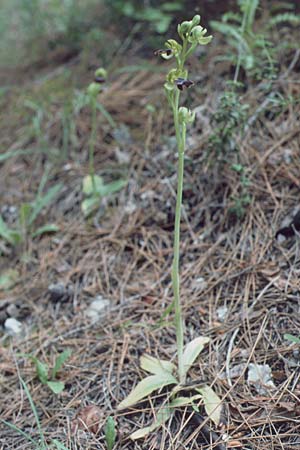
<point>41,444</point>
<point>42,371</point>
<point>110,433</point>
<point>28,214</point>
<point>93,186</point>
<point>228,121</point>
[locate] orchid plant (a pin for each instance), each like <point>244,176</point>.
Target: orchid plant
<point>165,373</point>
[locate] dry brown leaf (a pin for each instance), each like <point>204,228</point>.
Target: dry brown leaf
<point>89,418</point>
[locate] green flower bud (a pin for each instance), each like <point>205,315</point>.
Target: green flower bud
<point>185,115</point>
<point>196,20</point>
<point>184,28</point>
<point>101,73</point>
<point>174,47</point>
<point>198,36</point>
<point>94,89</point>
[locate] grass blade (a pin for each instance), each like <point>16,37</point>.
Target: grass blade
<point>15,428</point>
<point>32,405</point>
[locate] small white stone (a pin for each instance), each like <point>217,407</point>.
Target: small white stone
<point>222,312</point>
<point>260,375</point>
<point>200,284</point>
<point>13,327</point>
<point>130,207</point>
<point>97,308</point>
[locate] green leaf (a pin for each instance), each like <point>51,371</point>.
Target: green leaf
<point>146,387</point>
<point>11,236</point>
<point>156,366</point>
<point>106,114</point>
<point>59,445</point>
<point>25,211</point>
<point>163,24</point>
<point>110,433</point>
<point>87,184</point>
<point>18,430</point>
<point>192,350</point>
<point>48,228</point>
<point>212,403</point>
<point>60,360</point>
<point>184,401</point>
<point>43,201</point>
<point>21,152</point>
<point>90,204</point>
<point>111,188</point>
<point>171,6</point>
<point>35,413</point>
<point>238,168</point>
<point>8,279</point>
<point>41,370</point>
<point>56,386</point>
<point>292,338</point>
<point>162,416</point>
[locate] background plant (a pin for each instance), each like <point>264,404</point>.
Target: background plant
<point>49,378</point>
<point>253,51</point>
<point>44,26</point>
<point>157,14</point>
<point>93,186</point>
<point>254,57</point>
<point>164,373</point>
<point>28,215</point>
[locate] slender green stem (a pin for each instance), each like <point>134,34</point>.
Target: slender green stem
<point>180,137</point>
<point>92,143</point>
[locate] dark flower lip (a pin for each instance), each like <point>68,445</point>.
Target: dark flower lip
<point>182,83</point>
<point>166,51</point>
<point>99,80</point>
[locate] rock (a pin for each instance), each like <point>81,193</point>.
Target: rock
<point>260,375</point>
<point>13,327</point>
<point>222,313</point>
<point>97,308</point>
<point>3,316</point>
<point>59,292</point>
<point>12,310</point>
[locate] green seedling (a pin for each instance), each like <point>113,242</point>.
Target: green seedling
<point>41,444</point>
<point>110,433</point>
<point>93,186</point>
<point>28,214</point>
<point>95,191</point>
<point>166,373</point>
<point>49,379</point>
